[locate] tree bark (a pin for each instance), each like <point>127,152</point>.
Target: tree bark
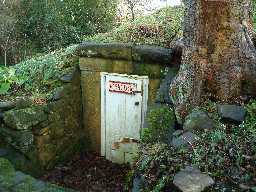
<point>219,58</point>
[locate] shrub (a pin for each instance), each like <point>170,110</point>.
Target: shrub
<point>161,122</point>
<point>158,163</point>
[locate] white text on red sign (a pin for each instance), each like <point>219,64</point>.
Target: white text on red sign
<point>122,87</point>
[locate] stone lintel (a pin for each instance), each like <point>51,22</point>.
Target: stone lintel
<point>129,52</point>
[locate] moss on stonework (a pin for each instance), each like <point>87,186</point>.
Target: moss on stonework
<point>23,119</point>
<point>12,180</point>
<point>150,70</point>
<point>7,172</point>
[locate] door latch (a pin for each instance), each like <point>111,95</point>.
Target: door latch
<point>137,103</point>
<point>134,92</point>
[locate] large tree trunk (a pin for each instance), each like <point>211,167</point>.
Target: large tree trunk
<point>219,58</point>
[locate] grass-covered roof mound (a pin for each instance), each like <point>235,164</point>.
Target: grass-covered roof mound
<point>159,28</point>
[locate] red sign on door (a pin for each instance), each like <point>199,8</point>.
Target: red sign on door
<point>122,87</point>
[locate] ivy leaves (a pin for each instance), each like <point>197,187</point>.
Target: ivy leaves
<point>8,77</point>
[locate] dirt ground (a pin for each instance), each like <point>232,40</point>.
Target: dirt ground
<point>89,173</point>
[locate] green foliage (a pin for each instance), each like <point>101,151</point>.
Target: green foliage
<point>128,180</point>
<point>158,163</point>
<point>55,24</point>
<point>162,183</point>
<point>254,12</point>
<point>159,28</point>
<point>43,72</point>
<point>28,27</point>
<point>38,75</point>
<point>228,153</point>
<point>160,121</point>
<point>8,78</point>
<point>250,123</point>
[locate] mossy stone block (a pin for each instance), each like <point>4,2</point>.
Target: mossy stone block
<point>151,54</point>
<point>23,119</point>
<point>20,140</point>
<point>103,50</point>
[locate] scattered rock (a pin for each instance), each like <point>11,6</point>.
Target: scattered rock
<point>178,133</point>
<point>192,180</point>
<point>20,140</point>
<point>138,183</point>
<point>3,152</point>
<point>23,103</point>
<point>67,78</point>
<point>232,113</point>
<point>23,119</point>
<point>58,94</point>
<point>198,120</point>
<point>244,187</point>
<point>19,177</point>
<point>6,105</point>
<point>185,139</point>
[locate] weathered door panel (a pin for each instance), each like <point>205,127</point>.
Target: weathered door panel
<point>123,103</point>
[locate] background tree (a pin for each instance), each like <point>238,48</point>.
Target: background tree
<point>29,27</point>
<point>53,24</point>
<point>132,8</point>
<point>8,33</point>
<point>219,58</point>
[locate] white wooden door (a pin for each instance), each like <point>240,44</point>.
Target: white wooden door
<point>123,109</point>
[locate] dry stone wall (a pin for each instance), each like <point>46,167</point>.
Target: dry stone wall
<point>34,137</point>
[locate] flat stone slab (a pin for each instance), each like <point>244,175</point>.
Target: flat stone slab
<point>126,51</point>
<point>183,139</point>
<point>151,54</point>
<point>105,50</point>
<point>192,180</point>
<point>67,78</point>
<point>198,120</point>
<point>138,183</point>
<point>232,113</point>
<point>6,105</point>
